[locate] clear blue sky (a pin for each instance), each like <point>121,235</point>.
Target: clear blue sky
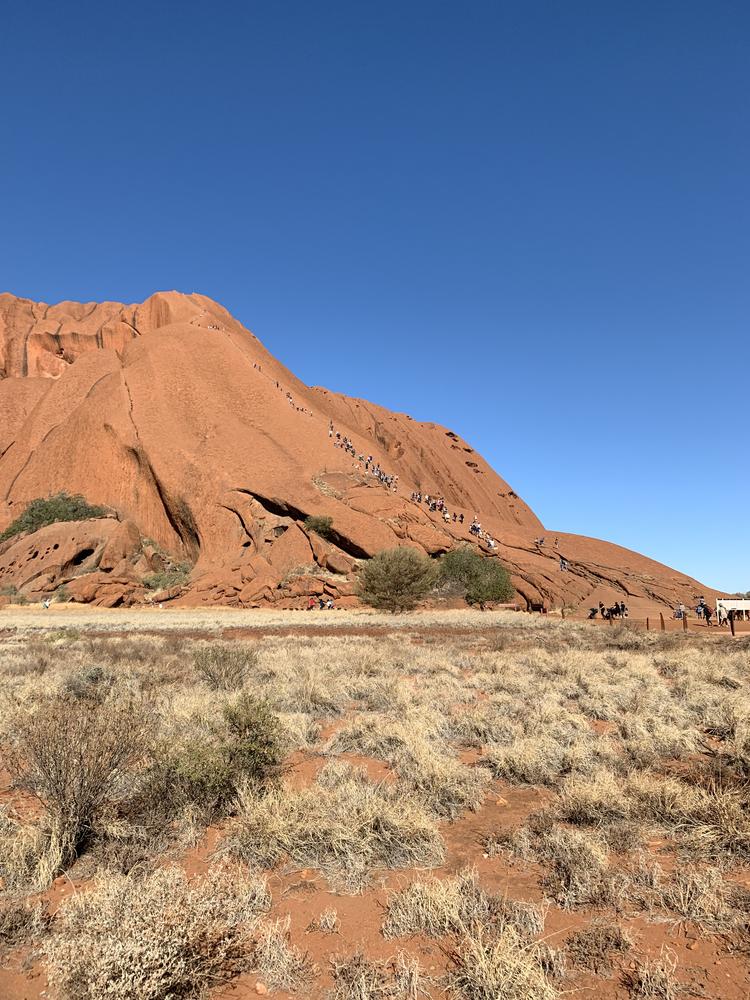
<point>528,221</point>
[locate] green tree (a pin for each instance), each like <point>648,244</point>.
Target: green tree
<point>396,580</point>
<point>483,579</point>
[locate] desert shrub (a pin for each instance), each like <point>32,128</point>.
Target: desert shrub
<point>22,920</point>
<point>256,735</point>
<point>453,905</point>
<point>92,683</point>
<point>62,594</point>
<point>159,936</point>
<point>224,666</point>
<point>491,584</point>
<point>592,948</point>
<point>498,967</point>
<point>459,565</point>
<point>321,524</point>
<point>484,580</point>
<point>175,576</point>
<point>356,977</point>
<point>343,824</point>
<point>190,771</point>
<point>244,749</point>
<point>16,596</point>
<point>396,580</point>
<point>50,510</point>
<point>75,756</point>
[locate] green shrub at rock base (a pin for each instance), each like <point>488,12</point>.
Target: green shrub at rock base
<point>175,577</point>
<point>396,579</point>
<point>484,580</point>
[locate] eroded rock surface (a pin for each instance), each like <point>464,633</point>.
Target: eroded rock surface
<point>212,454</point>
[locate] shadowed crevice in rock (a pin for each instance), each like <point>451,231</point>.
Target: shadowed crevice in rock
<point>282,508</point>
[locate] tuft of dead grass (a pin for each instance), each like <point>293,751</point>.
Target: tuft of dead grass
<point>162,935</point>
<point>281,963</point>
<point>357,977</point>
<point>327,922</point>
<point>344,824</point>
<point>498,967</point>
<point>224,666</point>
<point>653,978</point>
<point>22,920</point>
<point>593,947</point>
<point>449,906</point>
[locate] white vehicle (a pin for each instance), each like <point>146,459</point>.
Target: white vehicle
<point>738,605</point>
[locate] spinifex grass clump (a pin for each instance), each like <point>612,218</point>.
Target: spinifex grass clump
<point>224,666</point>
<point>454,905</point>
<point>344,824</point>
<point>498,967</point>
<point>158,936</point>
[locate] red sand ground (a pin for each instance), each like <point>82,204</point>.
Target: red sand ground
<point>711,966</point>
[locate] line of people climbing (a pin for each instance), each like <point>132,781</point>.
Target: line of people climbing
<point>437,505</point>
<point>365,463</point>
<point>475,528</point>
<point>287,395</point>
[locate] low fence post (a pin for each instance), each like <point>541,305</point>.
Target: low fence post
<point>731,621</point>
<point>662,625</point>
<point>684,622</point>
<point>647,628</point>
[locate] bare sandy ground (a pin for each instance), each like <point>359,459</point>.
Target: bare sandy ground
<point>220,619</point>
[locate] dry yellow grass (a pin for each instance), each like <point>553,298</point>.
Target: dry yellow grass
<point>632,738</point>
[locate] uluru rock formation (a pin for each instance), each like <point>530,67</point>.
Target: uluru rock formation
<point>207,451</point>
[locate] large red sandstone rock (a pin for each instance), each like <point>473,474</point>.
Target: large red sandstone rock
<point>123,544</point>
<point>54,553</point>
<point>172,414</point>
<point>290,550</point>
<point>105,590</point>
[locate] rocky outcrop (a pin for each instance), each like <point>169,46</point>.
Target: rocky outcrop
<point>88,561</point>
<point>213,454</point>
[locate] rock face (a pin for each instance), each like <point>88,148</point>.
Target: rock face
<point>175,416</point>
